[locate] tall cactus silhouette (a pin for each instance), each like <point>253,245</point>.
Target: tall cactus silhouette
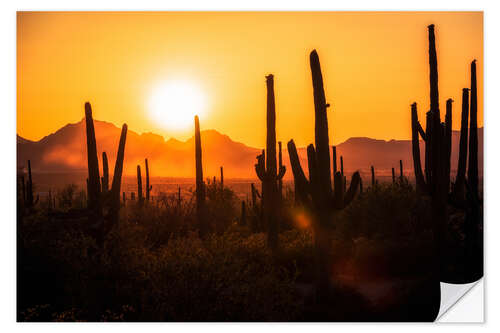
<point>280,166</point>
<point>316,193</point>
<point>148,186</point>
<point>459,186</point>
<point>342,165</point>
<point>200,185</point>
<point>105,173</point>
<point>117,178</point>
<point>267,171</point>
<point>401,170</point>
<point>93,187</point>
<point>222,178</point>
<point>374,182</point>
<point>140,197</point>
<point>334,161</point>
<point>447,142</point>
<point>472,172</point>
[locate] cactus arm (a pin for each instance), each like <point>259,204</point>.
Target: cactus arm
<point>459,187</point>
<point>281,173</point>
<point>105,172</point>
<point>117,175</point>
<point>334,160</point>
<point>353,188</point>
<point>338,191</point>
<point>447,142</point>
<point>260,168</point>
<point>302,186</point>
<point>314,177</point>
<point>428,147</point>
<point>417,166</point>
<point>421,130</point>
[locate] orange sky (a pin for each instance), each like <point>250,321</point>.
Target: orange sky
<point>374,66</point>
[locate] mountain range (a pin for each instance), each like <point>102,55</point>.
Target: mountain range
<point>65,151</point>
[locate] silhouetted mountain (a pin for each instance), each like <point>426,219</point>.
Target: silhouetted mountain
<point>361,153</point>
<point>65,151</point>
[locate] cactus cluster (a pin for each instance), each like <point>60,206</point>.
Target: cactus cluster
<point>97,198</point>
<point>435,179</point>
<point>267,171</point>
<point>317,193</point>
<point>26,190</point>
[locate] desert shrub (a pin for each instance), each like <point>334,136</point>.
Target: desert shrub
<point>231,276</point>
<point>222,206</point>
<point>388,229</point>
<point>66,196</point>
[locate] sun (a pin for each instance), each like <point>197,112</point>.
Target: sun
<point>174,103</point>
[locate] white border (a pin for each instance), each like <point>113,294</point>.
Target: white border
<point>8,126</point>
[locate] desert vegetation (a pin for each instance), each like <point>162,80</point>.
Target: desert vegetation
<point>327,248</point>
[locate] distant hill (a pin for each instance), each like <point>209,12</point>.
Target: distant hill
<point>65,151</point>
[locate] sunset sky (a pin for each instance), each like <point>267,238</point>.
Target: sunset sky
<point>374,66</point>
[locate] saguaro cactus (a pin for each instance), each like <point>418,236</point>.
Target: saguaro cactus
<point>401,170</point>
<point>316,193</point>
<point>148,187</point>
<point>280,166</point>
<point>105,173</point>
<point>437,138</point>
<point>140,198</point>
<point>393,176</point>
<point>472,172</point>
<point>417,166</point>
<point>102,224</point>
<point>94,187</point>
<point>334,160</point>
<point>459,186</point>
<point>374,182</point>
<point>200,185</point>
<point>222,178</point>
<point>447,142</point>
<point>267,171</point>
<point>117,177</point>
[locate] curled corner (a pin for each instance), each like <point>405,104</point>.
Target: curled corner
<point>451,295</point>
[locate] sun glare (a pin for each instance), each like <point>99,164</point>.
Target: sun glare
<point>175,103</point>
